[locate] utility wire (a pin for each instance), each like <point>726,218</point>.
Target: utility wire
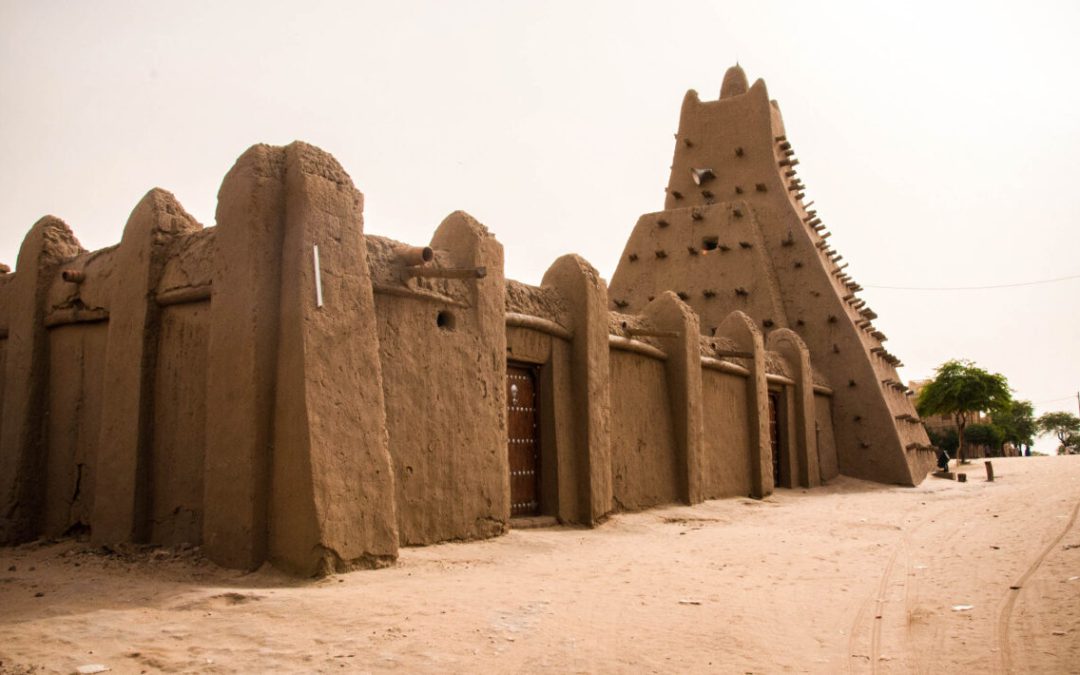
<point>972,288</point>
<point>1055,400</point>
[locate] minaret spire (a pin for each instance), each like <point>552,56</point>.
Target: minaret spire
<point>735,82</point>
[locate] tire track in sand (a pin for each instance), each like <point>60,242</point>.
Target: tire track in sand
<point>918,654</point>
<point>878,601</point>
<point>1002,628</point>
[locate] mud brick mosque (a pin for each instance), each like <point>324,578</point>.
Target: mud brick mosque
<point>284,387</point>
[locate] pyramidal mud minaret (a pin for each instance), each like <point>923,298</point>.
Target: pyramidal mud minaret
<point>736,234</point>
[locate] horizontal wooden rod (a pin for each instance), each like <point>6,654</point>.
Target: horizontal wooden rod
<point>627,345</point>
<point>63,317</point>
<point>650,332</point>
<point>184,295</point>
<point>542,325</point>
<point>724,366</point>
<point>734,354</point>
<point>447,272</point>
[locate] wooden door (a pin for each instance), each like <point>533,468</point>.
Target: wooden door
<point>774,435</point>
<point>524,447</point>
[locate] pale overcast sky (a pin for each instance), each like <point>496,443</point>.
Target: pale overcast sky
<point>939,140</point>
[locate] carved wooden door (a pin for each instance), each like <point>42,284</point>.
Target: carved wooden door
<point>524,446</point>
<point>774,435</point>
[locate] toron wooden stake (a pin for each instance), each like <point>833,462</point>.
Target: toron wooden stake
<point>73,276</point>
<point>410,256</point>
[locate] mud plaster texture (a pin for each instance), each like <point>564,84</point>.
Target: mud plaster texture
<point>282,387</point>
<point>444,364</point>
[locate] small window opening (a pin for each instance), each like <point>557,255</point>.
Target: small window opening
<point>710,243</point>
<point>445,320</point>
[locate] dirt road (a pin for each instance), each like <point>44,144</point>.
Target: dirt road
<point>853,577</point>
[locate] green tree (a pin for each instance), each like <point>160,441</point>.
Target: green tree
<point>962,389</point>
<point>988,435</point>
<point>1072,441</point>
<point>1064,425</point>
<point>1017,423</point>
<point>947,439</point>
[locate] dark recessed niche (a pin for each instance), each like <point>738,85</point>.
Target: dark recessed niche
<point>710,243</point>
<point>445,320</point>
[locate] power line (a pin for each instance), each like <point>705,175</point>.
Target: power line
<point>972,288</point>
<point>1054,400</point>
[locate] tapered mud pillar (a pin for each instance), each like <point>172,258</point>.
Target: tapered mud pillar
<point>122,473</point>
<point>22,448</point>
<point>585,294</point>
<point>242,364</point>
<point>793,349</point>
<point>486,509</point>
<point>683,369</point>
<point>739,328</point>
<point>332,504</point>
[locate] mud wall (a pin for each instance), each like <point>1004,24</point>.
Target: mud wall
<point>726,465</point>
<point>644,456</point>
<point>216,385</point>
<point>442,346</point>
<point>76,362</point>
<point>178,452</point>
<point>443,421</point>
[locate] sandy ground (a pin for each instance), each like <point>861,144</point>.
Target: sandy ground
<point>852,577</point>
